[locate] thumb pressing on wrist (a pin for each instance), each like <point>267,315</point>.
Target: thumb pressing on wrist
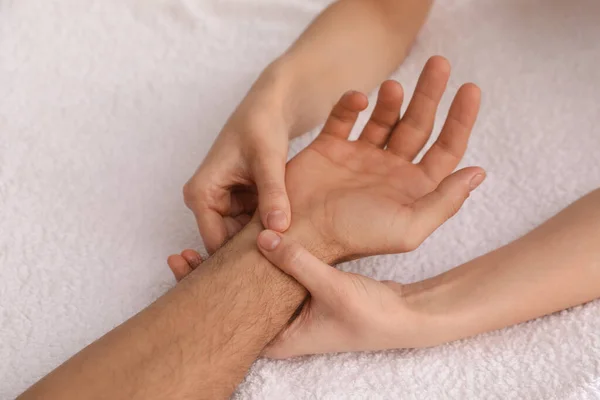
<point>293,259</point>
<point>273,203</point>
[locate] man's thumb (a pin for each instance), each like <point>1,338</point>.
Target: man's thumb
<point>435,208</point>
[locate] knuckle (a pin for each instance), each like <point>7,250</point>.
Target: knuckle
<point>452,209</point>
<point>292,256</point>
<point>189,192</point>
<point>454,204</point>
<point>272,188</point>
<point>192,193</point>
<point>448,148</point>
<point>251,150</point>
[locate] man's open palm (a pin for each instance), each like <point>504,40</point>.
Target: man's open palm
<point>367,196</point>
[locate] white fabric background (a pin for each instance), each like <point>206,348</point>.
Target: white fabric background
<point>107,107</point>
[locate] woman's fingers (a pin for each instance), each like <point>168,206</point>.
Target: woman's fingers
<point>235,224</point>
<point>416,125</point>
<point>385,115</point>
<point>209,201</point>
<point>242,202</point>
<point>435,208</point>
<point>212,227</point>
<point>449,148</point>
<point>343,116</point>
<point>273,202</point>
<point>317,277</point>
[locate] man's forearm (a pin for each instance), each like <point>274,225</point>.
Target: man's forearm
<point>197,341</point>
<point>554,267</point>
<point>353,44</point>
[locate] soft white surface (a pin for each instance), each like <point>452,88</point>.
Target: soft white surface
<point>107,106</point>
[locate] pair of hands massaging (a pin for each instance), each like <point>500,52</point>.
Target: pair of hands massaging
<point>352,199</point>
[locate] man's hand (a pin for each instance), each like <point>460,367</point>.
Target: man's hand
<point>365,197</point>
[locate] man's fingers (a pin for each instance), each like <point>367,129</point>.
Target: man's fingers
<point>385,115</point>
<point>449,148</point>
<point>273,203</point>
<point>182,265</point>
<point>414,129</point>
<point>193,258</point>
<point>435,208</point>
<point>344,114</point>
<point>179,266</point>
<point>293,259</point>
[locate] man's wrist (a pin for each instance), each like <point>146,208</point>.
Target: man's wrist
<point>311,239</point>
<point>301,231</point>
<point>275,283</point>
<point>251,298</point>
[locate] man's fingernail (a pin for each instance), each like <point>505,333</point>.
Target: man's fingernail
<point>268,240</point>
<point>277,220</point>
<point>476,181</point>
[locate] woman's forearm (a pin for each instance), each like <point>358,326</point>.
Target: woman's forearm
<point>353,44</point>
<point>554,267</point>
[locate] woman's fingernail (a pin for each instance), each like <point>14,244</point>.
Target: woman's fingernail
<point>476,181</point>
<point>268,240</point>
<point>277,220</point>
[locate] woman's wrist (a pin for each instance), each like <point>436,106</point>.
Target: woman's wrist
<point>303,103</point>
<point>271,94</point>
<point>436,304</point>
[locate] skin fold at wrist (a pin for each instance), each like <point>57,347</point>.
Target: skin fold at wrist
<point>311,238</point>
<point>430,302</point>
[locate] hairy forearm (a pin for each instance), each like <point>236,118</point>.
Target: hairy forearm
<point>554,267</point>
<point>353,44</point>
<point>197,341</point>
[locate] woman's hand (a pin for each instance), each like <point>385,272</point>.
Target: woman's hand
<point>245,168</point>
<point>345,311</point>
<point>357,198</point>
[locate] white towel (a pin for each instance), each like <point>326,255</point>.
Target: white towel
<point>108,106</point>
